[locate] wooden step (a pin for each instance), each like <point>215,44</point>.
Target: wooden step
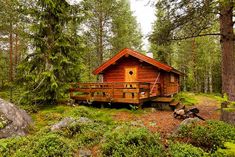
<point>174,103</point>
<point>163,99</point>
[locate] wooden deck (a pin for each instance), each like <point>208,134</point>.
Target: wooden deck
<point>118,92</point>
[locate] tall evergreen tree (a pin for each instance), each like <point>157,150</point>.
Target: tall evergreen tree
<point>50,66</point>
<point>162,52</point>
<point>126,32</point>
<point>109,27</point>
<point>196,17</point>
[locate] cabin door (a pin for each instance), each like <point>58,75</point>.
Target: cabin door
<point>131,75</point>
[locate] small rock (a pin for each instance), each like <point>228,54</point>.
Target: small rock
<point>189,121</point>
<point>84,153</point>
<point>68,121</point>
<point>153,110</point>
<point>84,120</point>
<point>185,122</point>
<point>63,123</point>
<point>137,123</point>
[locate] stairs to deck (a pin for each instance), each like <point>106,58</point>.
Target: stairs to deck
<point>163,103</point>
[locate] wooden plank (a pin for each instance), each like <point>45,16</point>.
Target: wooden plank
<point>163,99</point>
<point>174,103</point>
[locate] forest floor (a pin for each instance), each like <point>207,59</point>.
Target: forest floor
<point>106,120</point>
<point>164,122</point>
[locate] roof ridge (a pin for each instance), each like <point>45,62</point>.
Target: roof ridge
<point>135,54</point>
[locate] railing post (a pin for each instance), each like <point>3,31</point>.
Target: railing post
<point>148,90</point>
<point>112,90</point>
<point>138,90</point>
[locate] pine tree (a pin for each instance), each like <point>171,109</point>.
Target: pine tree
<point>47,70</point>
<point>195,18</point>
<point>161,52</point>
<point>126,33</point>
<point>109,27</point>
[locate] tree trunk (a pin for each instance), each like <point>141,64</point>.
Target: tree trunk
<point>195,88</point>
<point>16,50</point>
<point>206,82</point>
<point>227,47</point>
<point>10,54</point>
<point>210,79</point>
<point>101,39</point>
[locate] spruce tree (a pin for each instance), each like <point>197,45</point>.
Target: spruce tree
<point>50,64</point>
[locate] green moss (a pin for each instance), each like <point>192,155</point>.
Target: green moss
<point>186,98</point>
<point>184,150</point>
<point>227,151</point>
<point>229,109</point>
<point>209,136</point>
<point>131,141</point>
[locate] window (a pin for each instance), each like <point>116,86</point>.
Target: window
<point>172,78</point>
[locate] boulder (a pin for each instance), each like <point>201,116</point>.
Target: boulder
<point>69,121</point>
<point>186,122</point>
<point>13,121</point>
<point>189,121</point>
<point>63,123</point>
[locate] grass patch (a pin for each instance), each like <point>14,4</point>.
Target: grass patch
<point>186,98</point>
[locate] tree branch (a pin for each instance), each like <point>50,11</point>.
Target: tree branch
<point>194,36</point>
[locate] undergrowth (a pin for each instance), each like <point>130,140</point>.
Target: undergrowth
<point>186,98</point>
<point>210,135</point>
<point>115,138</point>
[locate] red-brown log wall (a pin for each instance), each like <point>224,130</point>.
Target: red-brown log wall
<point>145,73</point>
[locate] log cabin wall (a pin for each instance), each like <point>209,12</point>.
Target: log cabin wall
<point>170,83</point>
<point>145,72</point>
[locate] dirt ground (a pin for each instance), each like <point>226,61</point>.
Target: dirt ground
<point>164,122</point>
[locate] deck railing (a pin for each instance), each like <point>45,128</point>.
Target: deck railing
<point>126,92</point>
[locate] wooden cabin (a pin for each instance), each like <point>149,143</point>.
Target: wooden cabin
<point>129,77</point>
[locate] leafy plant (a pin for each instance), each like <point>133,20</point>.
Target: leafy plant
<point>185,150</point>
<point>128,140</point>
<point>186,98</point>
<point>210,135</point>
<point>51,145</point>
<point>227,151</point>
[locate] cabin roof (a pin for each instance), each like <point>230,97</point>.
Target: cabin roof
<point>137,55</point>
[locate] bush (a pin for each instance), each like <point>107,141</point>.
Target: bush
<point>9,146</point>
<point>228,151</point>
<point>46,145</point>
<point>131,141</point>
<point>51,145</point>
<point>86,134</point>
<point>210,135</point>
<point>185,150</point>
<point>186,98</point>
<point>81,111</point>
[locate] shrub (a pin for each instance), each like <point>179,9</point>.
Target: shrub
<point>186,98</point>
<point>185,150</point>
<point>9,146</point>
<point>44,145</point>
<point>228,151</point>
<point>131,141</point>
<point>81,111</point>
<point>210,135</point>
<point>50,145</point>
